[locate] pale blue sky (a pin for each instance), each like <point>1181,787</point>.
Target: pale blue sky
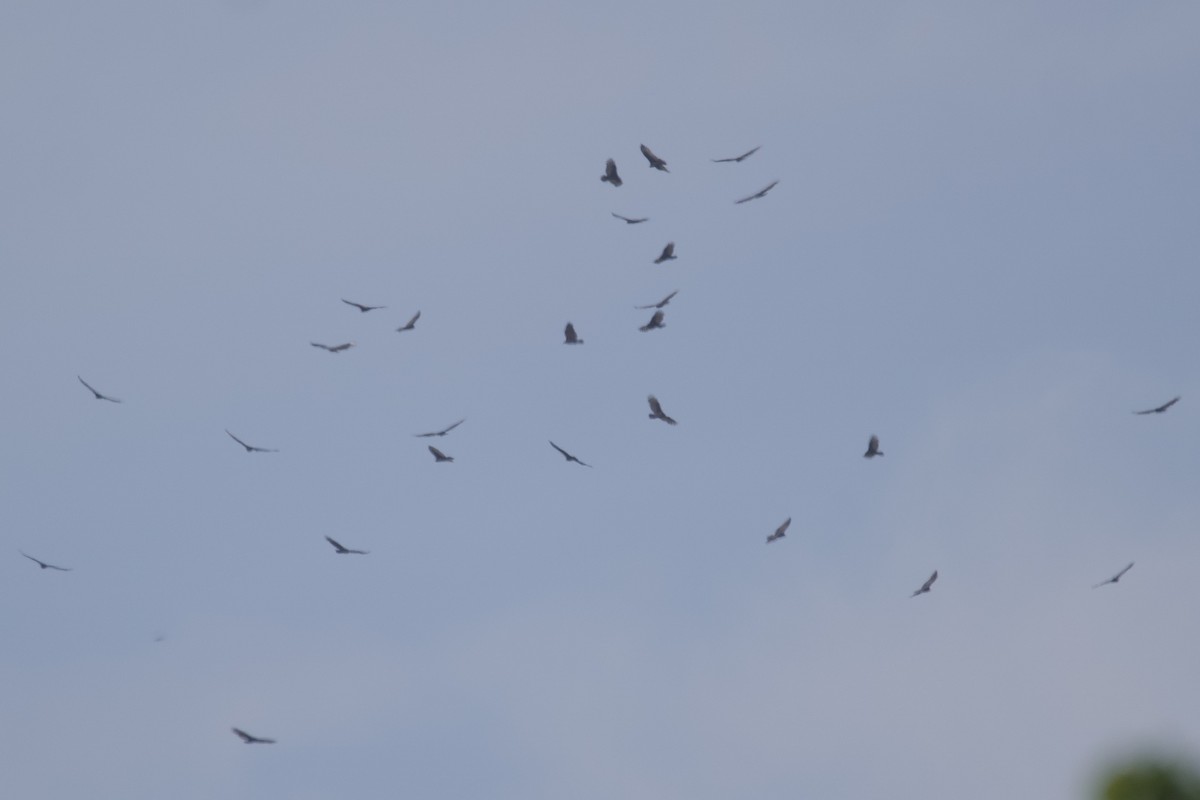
<point>982,248</point>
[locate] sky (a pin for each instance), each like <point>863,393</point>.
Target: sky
<point>982,248</point>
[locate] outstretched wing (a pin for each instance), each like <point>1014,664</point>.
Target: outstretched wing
<point>610,173</point>
<point>336,545</point>
<point>569,333</point>
<point>565,454</point>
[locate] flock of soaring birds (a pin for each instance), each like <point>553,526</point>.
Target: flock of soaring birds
<point>571,337</point>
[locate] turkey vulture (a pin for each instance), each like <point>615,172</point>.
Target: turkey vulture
<point>343,550</point>
<point>738,159</point>
<point>1116,577</point>
<point>439,455</point>
<point>656,321</point>
<point>412,323</point>
<point>668,253</point>
<point>568,456</point>
<point>333,348</point>
<point>780,531</point>
<point>657,412</point>
<point>43,564</point>
<point>248,739</point>
<point>97,394</point>
<point>654,160</point>
<point>926,586</point>
<point>610,173</point>
<point>250,448</point>
<point>571,337</point>
<point>1158,410</point>
<point>873,448</point>
<point>662,302</point>
<point>630,221</point>
<point>760,193</point>
<point>442,432</point>
<point>360,306</point>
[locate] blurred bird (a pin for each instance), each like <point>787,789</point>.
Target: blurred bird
<point>668,253</point>
<point>442,432</point>
<point>412,323</point>
<point>654,160</point>
<point>926,586</point>
<point>738,159</point>
<point>343,550</point>
<point>336,348</point>
<point>760,193</point>
<point>439,455</point>
<point>662,302</point>
<point>610,173</point>
<point>780,531</point>
<point>873,448</point>
<point>250,448</point>
<point>656,321</point>
<point>248,739</point>
<point>360,306</point>
<point>629,220</point>
<point>569,333</point>
<point>1114,578</point>
<point>43,564</point>
<point>1158,410</point>
<point>568,456</point>
<point>657,412</point>
<point>97,394</point>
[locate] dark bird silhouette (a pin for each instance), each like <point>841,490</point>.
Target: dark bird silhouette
<point>926,586</point>
<point>654,160</point>
<point>668,253</point>
<point>571,337</point>
<point>360,306</point>
<point>873,448</point>
<point>333,348</point>
<point>442,432</point>
<point>738,159</point>
<point>43,564</point>
<point>662,302</point>
<point>248,739</point>
<point>780,531</point>
<point>656,411</point>
<point>656,321</point>
<point>412,323</point>
<point>630,221</point>
<point>1158,410</point>
<point>568,456</point>
<point>250,448</point>
<point>439,455</point>
<point>344,550</point>
<point>97,394</point>
<point>760,193</point>
<point>610,173</point>
<point>1116,577</point>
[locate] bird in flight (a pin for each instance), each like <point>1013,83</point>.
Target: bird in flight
<point>248,739</point>
<point>341,550</point>
<point>1116,577</point>
<point>654,160</point>
<point>250,448</point>
<point>439,455</point>
<point>571,337</point>
<point>97,394</point>
<point>1158,410</point>
<point>610,173</point>
<point>668,253</point>
<point>442,432</point>
<point>333,348</point>
<point>656,321</point>
<point>360,306</point>
<point>657,412</point>
<point>738,159</point>
<point>412,323</point>
<point>43,564</point>
<point>662,302</point>
<point>760,193</point>
<point>926,586</point>
<point>780,531</point>
<point>873,448</point>
<point>629,220</point>
<point>568,456</point>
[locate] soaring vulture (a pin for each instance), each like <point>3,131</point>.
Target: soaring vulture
<point>654,160</point>
<point>610,173</point>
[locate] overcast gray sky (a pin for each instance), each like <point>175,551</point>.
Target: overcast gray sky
<point>982,248</point>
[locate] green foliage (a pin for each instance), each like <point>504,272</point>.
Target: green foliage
<point>1151,779</point>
